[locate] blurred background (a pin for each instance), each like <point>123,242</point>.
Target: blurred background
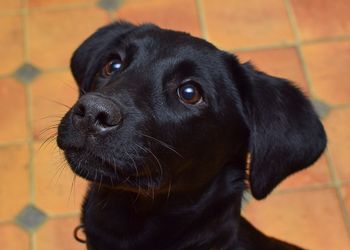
<point>307,41</point>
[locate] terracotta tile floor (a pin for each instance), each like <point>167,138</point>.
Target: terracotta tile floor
<point>307,41</point>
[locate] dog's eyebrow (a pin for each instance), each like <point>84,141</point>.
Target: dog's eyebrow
<point>181,70</point>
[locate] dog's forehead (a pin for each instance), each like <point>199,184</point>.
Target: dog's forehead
<point>161,42</point>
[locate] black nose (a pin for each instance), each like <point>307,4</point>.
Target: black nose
<point>95,114</point>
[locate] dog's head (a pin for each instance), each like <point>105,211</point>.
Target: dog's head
<point>160,108</point>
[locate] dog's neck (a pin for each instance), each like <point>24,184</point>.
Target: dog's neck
<point>116,218</point>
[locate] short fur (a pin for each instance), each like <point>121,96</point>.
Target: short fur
<point>166,175</point>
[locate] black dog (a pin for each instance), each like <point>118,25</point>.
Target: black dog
<point>162,129</point>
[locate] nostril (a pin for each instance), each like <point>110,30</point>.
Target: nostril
<point>102,119</point>
<point>107,120</point>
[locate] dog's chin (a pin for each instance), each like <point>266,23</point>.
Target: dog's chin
<point>101,172</point>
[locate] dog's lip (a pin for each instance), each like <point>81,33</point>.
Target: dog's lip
<point>105,168</point>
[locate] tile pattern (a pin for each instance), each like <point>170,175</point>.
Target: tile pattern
<point>319,19</point>
<point>57,190</point>
<point>327,65</point>
<point>53,36</point>
<point>321,107</point>
<point>314,176</point>
<point>14,166</point>
<point>47,110</point>
<point>109,4</point>
<point>346,195</point>
<point>11,40</point>
<point>265,60</point>
<point>57,3</point>
<point>26,73</point>
<point>240,24</point>
<point>31,217</point>
<point>337,126</point>
<point>307,42</point>
<point>170,14</point>
<point>57,234</point>
<point>302,212</point>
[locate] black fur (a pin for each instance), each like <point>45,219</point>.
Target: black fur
<point>166,175</point>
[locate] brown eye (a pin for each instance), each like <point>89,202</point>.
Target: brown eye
<point>189,93</point>
<point>112,67</point>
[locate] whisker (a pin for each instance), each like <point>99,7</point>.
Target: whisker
<point>100,183</point>
<point>49,117</point>
<point>59,169</point>
<point>155,157</point>
<point>133,162</point>
<point>169,190</point>
<point>72,188</point>
<point>138,183</point>
<point>95,177</point>
<point>43,131</point>
<point>162,143</point>
<point>110,177</point>
<point>60,174</point>
<point>57,102</point>
<point>47,141</point>
<point>70,85</point>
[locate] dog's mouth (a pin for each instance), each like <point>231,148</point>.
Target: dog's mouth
<point>114,175</point>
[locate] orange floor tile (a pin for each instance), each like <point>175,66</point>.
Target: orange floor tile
<point>306,41</point>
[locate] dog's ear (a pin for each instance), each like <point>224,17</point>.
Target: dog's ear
<point>286,134</point>
<point>89,53</point>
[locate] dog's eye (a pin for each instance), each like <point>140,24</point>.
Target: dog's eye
<point>112,66</point>
<point>189,93</point>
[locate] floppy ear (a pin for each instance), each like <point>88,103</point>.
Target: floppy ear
<point>286,134</point>
<point>89,54</point>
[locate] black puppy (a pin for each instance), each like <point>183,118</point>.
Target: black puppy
<point>162,129</point>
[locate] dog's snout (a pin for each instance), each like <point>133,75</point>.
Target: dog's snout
<point>94,114</point>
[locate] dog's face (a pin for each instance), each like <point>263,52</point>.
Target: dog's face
<point>159,108</point>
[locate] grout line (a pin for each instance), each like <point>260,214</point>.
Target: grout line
<point>31,154</point>
<point>69,6</point>
<point>30,246</point>
<point>111,16</point>
<point>341,106</point>
<point>65,215</point>
<point>2,222</point>
<point>47,70</point>
<point>339,194</point>
<point>32,240</point>
<point>29,117</point>
<point>332,171</point>
<point>326,39</point>
<point>13,143</point>
<point>286,45</point>
<point>201,17</point>
<point>55,70</point>
<point>310,187</point>
<point>294,25</point>
<point>265,47</point>
<point>4,76</point>
<point>62,7</point>
<point>25,41</point>
<point>289,44</point>
<point>13,12</point>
